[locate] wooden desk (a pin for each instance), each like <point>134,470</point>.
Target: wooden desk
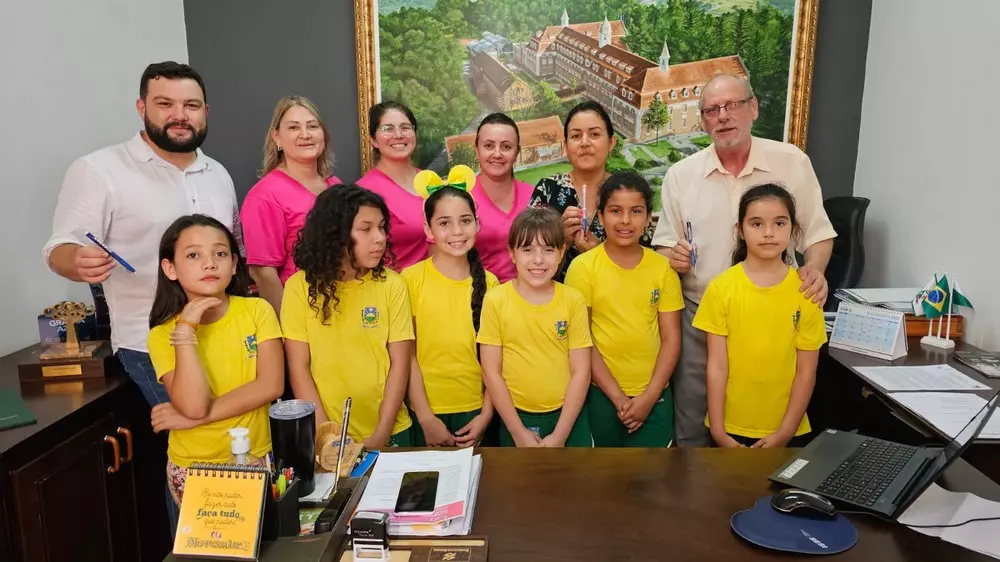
<point>563,505</point>
<point>844,400</point>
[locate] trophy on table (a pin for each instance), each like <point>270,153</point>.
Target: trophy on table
<point>69,359</point>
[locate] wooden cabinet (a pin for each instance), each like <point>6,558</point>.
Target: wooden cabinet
<point>80,498</point>
<point>87,482</point>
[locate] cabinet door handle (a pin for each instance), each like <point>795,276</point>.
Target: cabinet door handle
<point>128,443</point>
<point>118,454</point>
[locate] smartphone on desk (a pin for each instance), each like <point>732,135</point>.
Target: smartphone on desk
<point>417,492</point>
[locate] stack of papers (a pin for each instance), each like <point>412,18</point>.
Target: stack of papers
<point>323,488</point>
<point>949,412</point>
<point>919,378</point>
<point>938,506</point>
<point>454,506</point>
<point>893,299</point>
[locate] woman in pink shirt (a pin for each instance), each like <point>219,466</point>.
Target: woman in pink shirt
<point>393,130</point>
<point>297,166</point>
<point>499,197</point>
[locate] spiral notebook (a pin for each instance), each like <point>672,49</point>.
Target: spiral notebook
<point>874,331</point>
<point>222,512</point>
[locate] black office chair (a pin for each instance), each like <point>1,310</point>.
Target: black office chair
<point>848,260</point>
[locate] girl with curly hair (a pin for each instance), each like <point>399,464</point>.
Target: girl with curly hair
<point>346,318</point>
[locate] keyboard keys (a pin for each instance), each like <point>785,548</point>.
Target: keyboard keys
<point>864,477</point>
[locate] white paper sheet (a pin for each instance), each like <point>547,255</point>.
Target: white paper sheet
<point>883,295</point>
<point>937,506</point>
<point>948,411</point>
<point>923,377</point>
<point>454,468</point>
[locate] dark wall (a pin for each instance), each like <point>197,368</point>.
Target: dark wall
<point>838,85</point>
<point>251,52</point>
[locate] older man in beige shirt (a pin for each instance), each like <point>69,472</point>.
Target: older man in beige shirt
<point>704,190</point>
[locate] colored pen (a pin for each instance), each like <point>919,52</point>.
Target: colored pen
<point>270,461</point>
<point>583,223</point>
<point>689,234</point>
<point>116,257</point>
<point>343,441</point>
<point>274,491</point>
<point>281,485</point>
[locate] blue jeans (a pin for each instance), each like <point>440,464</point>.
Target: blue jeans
<point>140,370</point>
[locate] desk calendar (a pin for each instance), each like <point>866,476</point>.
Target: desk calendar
<point>873,331</point>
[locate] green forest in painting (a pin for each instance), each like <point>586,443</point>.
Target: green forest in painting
<point>422,56</point>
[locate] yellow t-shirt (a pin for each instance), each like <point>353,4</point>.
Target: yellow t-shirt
<point>228,352</point>
<point>446,337</point>
<point>764,328</point>
<point>536,340</point>
<point>349,354</point>
<point>624,310</point>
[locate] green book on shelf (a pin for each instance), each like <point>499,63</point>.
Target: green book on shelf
<point>13,411</point>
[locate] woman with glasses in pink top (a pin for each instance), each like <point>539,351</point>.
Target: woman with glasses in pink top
<point>393,131</point>
<point>298,165</point>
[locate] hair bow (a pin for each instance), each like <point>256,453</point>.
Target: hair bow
<point>460,177</point>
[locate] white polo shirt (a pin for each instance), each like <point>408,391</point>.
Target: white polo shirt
<point>700,189</point>
<point>127,196</point>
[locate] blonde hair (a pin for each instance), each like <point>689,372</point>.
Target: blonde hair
<point>274,158</point>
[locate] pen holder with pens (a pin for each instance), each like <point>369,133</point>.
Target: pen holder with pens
<point>281,516</point>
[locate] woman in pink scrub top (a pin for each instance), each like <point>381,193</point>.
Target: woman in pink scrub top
<point>499,197</point>
<point>297,166</point>
<point>393,130</point>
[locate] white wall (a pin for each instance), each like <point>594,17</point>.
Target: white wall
<point>929,149</point>
<point>70,72</point>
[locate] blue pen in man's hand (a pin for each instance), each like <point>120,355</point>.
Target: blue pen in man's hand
<point>116,257</point>
<point>689,234</point>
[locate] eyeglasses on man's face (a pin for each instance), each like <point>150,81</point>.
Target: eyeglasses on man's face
<point>404,130</point>
<point>730,107</point>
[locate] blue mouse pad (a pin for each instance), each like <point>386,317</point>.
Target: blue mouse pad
<point>765,526</point>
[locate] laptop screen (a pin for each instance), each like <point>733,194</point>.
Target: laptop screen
<point>951,451</point>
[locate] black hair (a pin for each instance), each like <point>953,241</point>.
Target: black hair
<point>326,238</point>
<point>476,268</point>
<point>625,181</point>
<point>501,119</point>
<point>171,71</point>
<point>534,222</point>
<point>170,297</point>
<point>378,111</point>
<point>757,193</point>
<point>592,106</point>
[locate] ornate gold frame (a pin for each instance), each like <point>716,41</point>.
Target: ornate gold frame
<point>803,54</point>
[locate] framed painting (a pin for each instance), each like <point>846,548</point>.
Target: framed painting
<point>455,61</point>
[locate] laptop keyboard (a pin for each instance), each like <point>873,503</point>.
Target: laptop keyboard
<point>863,477</point>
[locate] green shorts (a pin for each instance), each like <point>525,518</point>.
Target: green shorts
<point>403,438</point>
<point>609,431</point>
<point>453,422</point>
<point>544,424</point>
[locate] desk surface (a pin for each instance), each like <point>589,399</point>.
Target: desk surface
<point>549,505</point>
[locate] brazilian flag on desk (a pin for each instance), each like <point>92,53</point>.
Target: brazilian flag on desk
<point>935,301</point>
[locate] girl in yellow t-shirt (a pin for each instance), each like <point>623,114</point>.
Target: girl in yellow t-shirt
<point>446,292</point>
<point>217,352</point>
<point>634,299</point>
<point>535,342</point>
<point>346,318</point>
<point>764,335</point>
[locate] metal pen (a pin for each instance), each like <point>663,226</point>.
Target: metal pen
<point>343,441</point>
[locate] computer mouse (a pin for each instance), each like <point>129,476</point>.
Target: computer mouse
<point>803,502</point>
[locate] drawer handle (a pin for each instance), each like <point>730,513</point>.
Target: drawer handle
<point>128,443</point>
<point>118,454</point>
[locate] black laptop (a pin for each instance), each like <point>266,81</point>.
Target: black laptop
<point>876,475</point>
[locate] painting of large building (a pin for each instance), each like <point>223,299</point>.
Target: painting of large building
<point>494,84</point>
<point>623,82</point>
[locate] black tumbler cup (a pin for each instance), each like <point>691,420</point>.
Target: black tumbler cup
<point>293,440</point>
